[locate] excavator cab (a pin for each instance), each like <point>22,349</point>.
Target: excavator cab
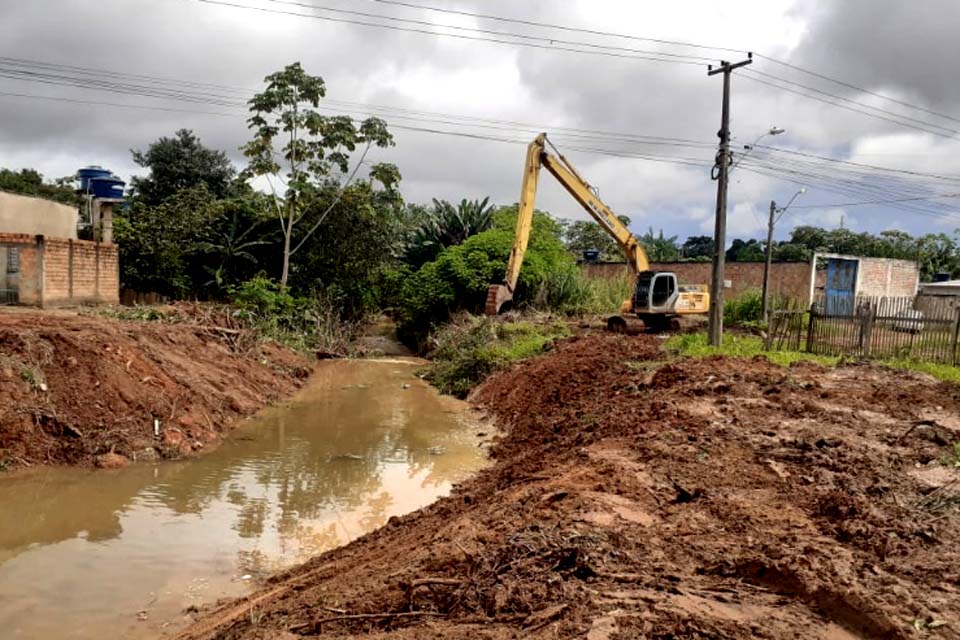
<point>656,292</point>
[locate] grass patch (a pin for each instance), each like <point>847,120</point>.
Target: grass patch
<point>470,348</point>
<point>944,372</point>
<point>695,345</point>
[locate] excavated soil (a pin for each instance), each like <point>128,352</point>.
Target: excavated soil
<point>82,389</point>
<point>715,498</point>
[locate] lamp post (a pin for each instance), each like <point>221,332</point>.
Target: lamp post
<point>775,215</point>
<point>772,131</point>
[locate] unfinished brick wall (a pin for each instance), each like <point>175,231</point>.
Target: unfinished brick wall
<point>58,271</point>
<point>789,279</point>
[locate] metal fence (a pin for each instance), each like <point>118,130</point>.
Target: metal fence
<point>920,328</point>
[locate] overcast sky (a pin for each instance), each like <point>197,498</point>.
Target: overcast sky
<point>890,48</point>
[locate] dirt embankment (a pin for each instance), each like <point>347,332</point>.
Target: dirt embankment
<point>718,498</point>
<point>77,389</point>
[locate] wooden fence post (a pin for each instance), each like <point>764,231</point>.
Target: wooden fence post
<point>866,329</point>
<point>956,333</point>
<point>813,315</point>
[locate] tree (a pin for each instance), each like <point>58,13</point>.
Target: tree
<point>180,163</point>
<point>234,242</point>
<point>790,252</point>
<point>158,244</point>
<point>29,182</point>
<point>314,146</point>
<point>697,248</point>
<point>660,248</point>
<point>581,235</point>
<point>746,251</point>
<point>445,225</point>
<point>348,263</point>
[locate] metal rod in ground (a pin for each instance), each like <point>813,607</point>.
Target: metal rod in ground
<point>715,327</point>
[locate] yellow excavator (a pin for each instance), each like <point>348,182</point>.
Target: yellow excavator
<point>658,300</point>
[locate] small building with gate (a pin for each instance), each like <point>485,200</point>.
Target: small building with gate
<point>842,279</point>
<point>42,263</point>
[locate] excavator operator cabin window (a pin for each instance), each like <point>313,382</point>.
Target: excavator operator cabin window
<point>663,288</point>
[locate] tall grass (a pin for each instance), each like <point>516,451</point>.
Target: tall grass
<point>577,294</point>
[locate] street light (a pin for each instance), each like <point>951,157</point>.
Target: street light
<point>772,131</point>
<point>775,215</point>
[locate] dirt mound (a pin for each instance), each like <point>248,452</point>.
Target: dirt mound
<point>81,389</point>
<point>714,498</point>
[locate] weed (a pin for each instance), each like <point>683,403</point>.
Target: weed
<point>952,459</point>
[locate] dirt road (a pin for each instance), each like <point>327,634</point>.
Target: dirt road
<point>718,498</point>
<point>82,389</point>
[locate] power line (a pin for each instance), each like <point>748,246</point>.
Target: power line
<point>596,32</point>
<point>173,92</point>
<point>854,87</point>
<point>522,36</point>
<point>843,106</point>
<point>534,23</point>
<point>854,102</point>
<point>460,36</point>
<point>866,202</point>
<point>858,164</point>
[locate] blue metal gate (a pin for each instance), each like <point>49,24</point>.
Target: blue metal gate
<point>841,288</point>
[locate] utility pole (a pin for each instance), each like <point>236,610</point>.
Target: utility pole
<point>769,249</point>
<point>721,170</point>
<point>769,259</point>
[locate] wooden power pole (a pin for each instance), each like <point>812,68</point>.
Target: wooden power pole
<point>721,171</point>
<point>768,258</point>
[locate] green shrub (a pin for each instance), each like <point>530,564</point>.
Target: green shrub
<point>460,276</point>
<point>470,348</point>
<point>263,296</point>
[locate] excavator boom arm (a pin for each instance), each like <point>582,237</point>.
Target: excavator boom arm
<point>576,186</point>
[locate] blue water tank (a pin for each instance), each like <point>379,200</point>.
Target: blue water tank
<point>591,255</point>
<point>88,173</point>
<point>107,187</point>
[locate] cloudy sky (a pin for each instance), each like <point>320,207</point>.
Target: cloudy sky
<point>866,91</point>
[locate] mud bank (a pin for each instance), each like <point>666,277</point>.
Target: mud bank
<point>715,498</point>
<point>84,390</point>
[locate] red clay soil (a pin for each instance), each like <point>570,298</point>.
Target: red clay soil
<point>82,390</point>
<point>715,498</point>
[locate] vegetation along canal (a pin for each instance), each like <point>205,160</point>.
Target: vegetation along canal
<point>94,554</point>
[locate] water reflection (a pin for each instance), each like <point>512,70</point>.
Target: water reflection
<point>88,550</point>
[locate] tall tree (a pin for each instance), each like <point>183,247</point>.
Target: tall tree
<point>29,182</point>
<point>445,225</point>
<point>750,250</point>
<point>582,235</point>
<point>179,163</point>
<point>697,248</point>
<point>660,248</point>
<point>312,147</point>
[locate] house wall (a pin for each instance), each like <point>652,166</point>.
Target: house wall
<point>63,271</point>
<point>36,216</point>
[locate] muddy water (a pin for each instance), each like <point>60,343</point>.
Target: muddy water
<point>121,554</point>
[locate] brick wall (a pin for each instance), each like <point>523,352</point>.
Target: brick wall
<point>58,271</point>
<point>791,279</point>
